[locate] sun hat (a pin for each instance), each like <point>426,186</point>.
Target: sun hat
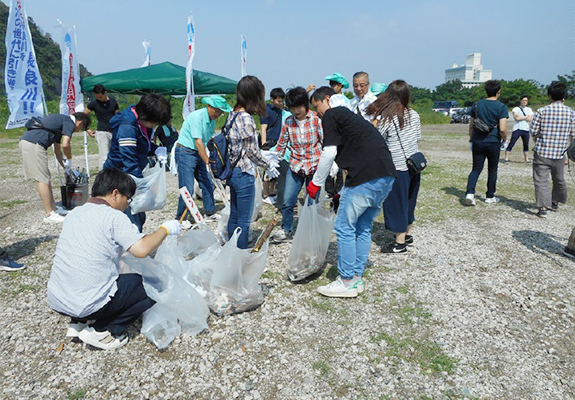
<point>217,102</point>
<point>377,88</point>
<point>339,78</point>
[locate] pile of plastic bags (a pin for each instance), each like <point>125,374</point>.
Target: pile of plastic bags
<point>223,279</point>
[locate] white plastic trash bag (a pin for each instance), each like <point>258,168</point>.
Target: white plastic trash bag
<point>222,228</point>
<point>173,163</point>
<point>311,240</point>
<point>151,192</point>
<point>258,201</point>
<point>230,276</point>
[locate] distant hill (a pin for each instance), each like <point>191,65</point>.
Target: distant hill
<point>47,52</point>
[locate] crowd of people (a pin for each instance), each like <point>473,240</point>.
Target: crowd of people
<point>356,150</point>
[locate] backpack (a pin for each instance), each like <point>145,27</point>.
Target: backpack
<point>220,162</point>
<point>571,150</point>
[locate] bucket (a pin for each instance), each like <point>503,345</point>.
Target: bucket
<point>77,194</point>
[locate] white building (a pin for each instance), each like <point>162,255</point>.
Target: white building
<point>471,73</point>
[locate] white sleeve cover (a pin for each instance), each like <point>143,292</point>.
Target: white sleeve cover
<point>324,166</point>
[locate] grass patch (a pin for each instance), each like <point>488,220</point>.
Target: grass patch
<point>77,394</point>
<point>11,203</point>
<point>26,288</point>
<point>427,354</point>
<point>322,367</point>
<point>323,306</point>
<point>402,289</point>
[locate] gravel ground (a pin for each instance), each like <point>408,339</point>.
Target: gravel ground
<point>482,306</point>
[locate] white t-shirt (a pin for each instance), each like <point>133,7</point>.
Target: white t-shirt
<point>86,262</point>
<point>362,104</point>
<point>521,125</point>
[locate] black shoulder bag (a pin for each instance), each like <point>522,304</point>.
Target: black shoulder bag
<point>416,162</point>
<point>479,125</point>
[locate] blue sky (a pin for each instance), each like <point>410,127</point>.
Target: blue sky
<point>299,42</point>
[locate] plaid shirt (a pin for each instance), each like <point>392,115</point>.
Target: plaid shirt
<point>305,144</point>
<point>243,141</point>
<point>553,126</point>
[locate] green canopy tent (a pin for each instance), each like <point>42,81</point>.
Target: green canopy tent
<point>165,78</point>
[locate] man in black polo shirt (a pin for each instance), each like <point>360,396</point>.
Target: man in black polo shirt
<point>56,130</point>
<point>359,149</point>
<point>105,108</point>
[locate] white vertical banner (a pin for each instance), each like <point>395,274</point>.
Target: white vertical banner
<point>189,102</point>
<point>148,50</point>
<point>22,77</point>
<point>244,51</point>
<point>72,99</point>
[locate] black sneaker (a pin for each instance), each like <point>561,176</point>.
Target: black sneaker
<point>542,213</point>
<point>569,252</point>
<point>399,248</point>
<point>554,206</point>
<point>409,240</point>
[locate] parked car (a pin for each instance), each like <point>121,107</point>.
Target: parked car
<point>444,107</point>
<point>461,116</point>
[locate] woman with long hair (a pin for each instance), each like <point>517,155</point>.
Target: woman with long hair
<point>401,128</point>
<point>243,146</point>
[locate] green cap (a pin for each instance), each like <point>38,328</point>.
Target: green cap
<point>338,78</point>
<point>377,88</point>
<point>217,102</point>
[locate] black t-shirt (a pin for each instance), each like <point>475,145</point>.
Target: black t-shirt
<point>167,136</point>
<point>361,150</point>
<point>58,125</point>
<point>104,110</point>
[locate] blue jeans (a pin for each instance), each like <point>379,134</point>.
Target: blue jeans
<point>191,165</point>
<point>293,184</point>
<point>482,151</point>
<point>358,207</point>
<point>242,193</point>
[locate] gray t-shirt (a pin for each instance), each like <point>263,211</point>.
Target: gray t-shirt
<point>86,263</point>
<point>56,125</point>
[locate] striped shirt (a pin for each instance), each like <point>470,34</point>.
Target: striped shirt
<point>554,127</point>
<point>243,142</point>
<point>410,135</point>
<point>86,262</point>
<point>305,143</point>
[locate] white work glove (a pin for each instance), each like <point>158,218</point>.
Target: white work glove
<point>173,227</point>
<point>271,157</point>
<point>162,154</point>
<point>334,170</point>
<point>67,165</point>
<point>273,172</point>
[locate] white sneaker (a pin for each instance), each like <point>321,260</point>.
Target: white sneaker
<point>279,236</point>
<point>213,217</point>
<point>338,289</point>
<point>102,340</point>
<point>74,329</point>
<point>469,199</point>
<point>186,225</point>
<point>54,217</point>
<point>492,200</point>
<point>270,200</point>
<point>357,282</point>
<point>61,211</point>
